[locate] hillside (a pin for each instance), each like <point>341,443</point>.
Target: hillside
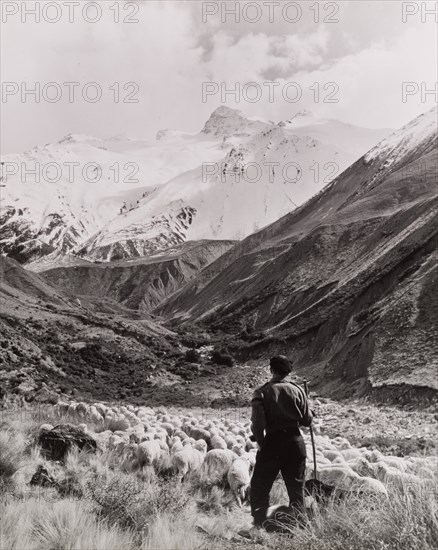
<point>53,343</point>
<point>343,284</point>
<point>139,284</point>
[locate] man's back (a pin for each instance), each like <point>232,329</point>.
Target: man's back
<point>277,405</point>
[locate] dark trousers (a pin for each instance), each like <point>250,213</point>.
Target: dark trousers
<point>283,452</point>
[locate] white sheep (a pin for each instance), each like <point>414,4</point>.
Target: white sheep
<point>148,452</point>
<point>361,466</point>
<point>163,446</point>
<point>351,454</point>
<point>218,442</point>
<point>176,446</point>
<point>95,416</point>
<point>370,485</point>
<point>395,462</point>
<point>239,479</point>
<point>187,460</point>
<point>331,455</point>
<point>201,445</point>
<point>216,464</point>
<point>395,478</point>
<point>230,441</point>
<point>342,478</point>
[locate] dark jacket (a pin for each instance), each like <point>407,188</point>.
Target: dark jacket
<point>277,405</point>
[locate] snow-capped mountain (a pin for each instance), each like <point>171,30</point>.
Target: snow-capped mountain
<point>119,197</point>
<point>81,182</point>
<point>266,171</point>
<point>418,133</point>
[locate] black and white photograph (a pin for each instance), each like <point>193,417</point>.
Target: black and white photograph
<point>218,275</point>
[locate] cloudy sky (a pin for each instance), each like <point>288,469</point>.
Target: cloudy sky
<point>358,54</point>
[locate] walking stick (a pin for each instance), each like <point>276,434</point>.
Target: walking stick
<point>315,473</point>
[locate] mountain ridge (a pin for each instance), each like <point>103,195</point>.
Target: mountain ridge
<point>309,277</point>
<point>121,197</point>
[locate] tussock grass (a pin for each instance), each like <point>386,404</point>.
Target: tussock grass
<point>170,532</point>
<point>62,525</point>
<point>12,449</point>
<point>100,502</point>
<point>129,502</point>
<point>12,536</point>
<point>407,519</point>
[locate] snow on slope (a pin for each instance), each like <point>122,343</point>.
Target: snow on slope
<point>64,203</point>
<point>411,136</point>
<point>267,170</point>
<point>138,197</point>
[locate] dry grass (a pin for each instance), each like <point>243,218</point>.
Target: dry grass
<point>12,455</point>
<point>101,503</point>
<point>407,520</point>
<point>63,525</point>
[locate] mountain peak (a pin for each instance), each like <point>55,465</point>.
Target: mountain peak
<point>221,119</point>
<point>225,121</point>
<point>224,111</point>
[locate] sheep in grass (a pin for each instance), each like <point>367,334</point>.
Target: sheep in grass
<point>60,409</point>
<point>394,478</point>
<point>239,479</point>
<point>361,466</point>
<point>341,477</point>
<point>95,416</point>
<point>369,485</point>
<point>216,464</point>
<point>332,455</point>
<point>148,452</point>
<point>395,462</point>
<point>186,461</point>
<point>351,454</point>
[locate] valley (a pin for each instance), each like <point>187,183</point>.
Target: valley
<point>343,285</point>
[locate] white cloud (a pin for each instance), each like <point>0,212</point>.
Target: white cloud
<point>171,52</point>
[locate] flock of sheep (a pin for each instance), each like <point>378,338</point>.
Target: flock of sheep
<point>221,452</point>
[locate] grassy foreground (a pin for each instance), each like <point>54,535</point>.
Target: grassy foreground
<point>100,503</point>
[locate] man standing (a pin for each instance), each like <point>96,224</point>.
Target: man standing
<point>278,408</point>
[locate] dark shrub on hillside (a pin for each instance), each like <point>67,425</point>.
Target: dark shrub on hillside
<point>192,356</point>
<point>222,357</point>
